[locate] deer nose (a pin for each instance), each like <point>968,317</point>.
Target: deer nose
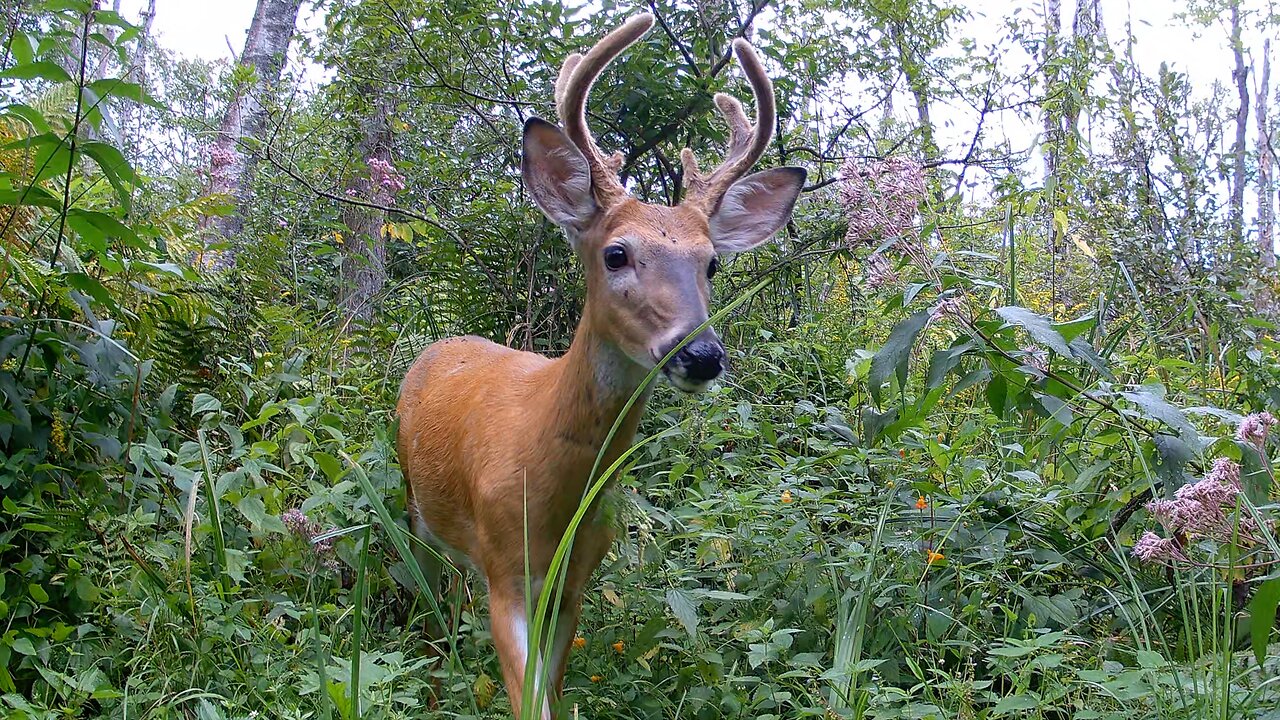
<point>702,360</point>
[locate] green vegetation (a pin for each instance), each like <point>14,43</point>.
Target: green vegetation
<point>951,414</point>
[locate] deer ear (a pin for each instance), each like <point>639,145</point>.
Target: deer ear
<point>557,175</point>
<point>754,208</point>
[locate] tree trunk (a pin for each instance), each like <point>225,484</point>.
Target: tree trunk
<point>1052,123</point>
<point>131,115</point>
<point>364,249</point>
<point>1239,75</point>
<point>1266,180</point>
<point>265,49</point>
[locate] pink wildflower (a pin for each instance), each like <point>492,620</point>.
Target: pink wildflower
<point>879,272</point>
<point>1254,428</point>
<point>383,174</point>
<point>1201,509</point>
<point>949,306</point>
<point>880,197</point>
<point>1155,549</point>
<point>304,528</point>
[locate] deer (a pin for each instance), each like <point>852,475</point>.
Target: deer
<point>497,445</point>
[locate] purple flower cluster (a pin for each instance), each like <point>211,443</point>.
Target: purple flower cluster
<point>1199,510</point>
<point>880,197</point>
<point>880,272</point>
<point>948,306</point>
<point>220,155</point>
<point>1254,428</point>
<point>1155,549</point>
<point>306,529</point>
<point>383,174</point>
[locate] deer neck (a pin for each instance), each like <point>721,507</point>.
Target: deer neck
<point>596,380</point>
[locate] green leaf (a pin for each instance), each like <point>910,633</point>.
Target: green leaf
<point>682,607</point>
<point>115,168</point>
<point>205,403</point>
<point>1262,616</point>
<point>31,195</point>
<point>33,117</point>
<point>1172,456</point>
<point>943,362</point>
<point>255,511</point>
<point>117,88</point>
<point>1150,659</point>
<point>23,645</point>
<point>1149,399</point>
<point>1057,409</point>
<point>94,222</point>
<point>1072,329</point>
<point>21,47</point>
<point>1013,703</point>
<point>38,593</point>
<point>895,354</point>
<point>38,70</point>
<point>1037,326</point>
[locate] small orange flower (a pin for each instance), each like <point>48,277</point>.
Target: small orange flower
<point>902,453</point>
<point>786,497</point>
<point>596,678</point>
<point>921,503</point>
<point>619,647</point>
<point>932,556</point>
<point>579,642</point>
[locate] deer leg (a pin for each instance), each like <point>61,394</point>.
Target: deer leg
<point>594,542</point>
<point>566,630</point>
<point>432,571</point>
<point>509,626</point>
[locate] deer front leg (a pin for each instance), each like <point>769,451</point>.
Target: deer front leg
<point>509,626</point>
<point>593,542</point>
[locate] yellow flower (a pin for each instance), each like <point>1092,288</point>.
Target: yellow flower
<point>618,647</point>
<point>786,497</point>
<point>921,503</point>
<point>579,642</point>
<point>58,435</point>
<point>596,678</point>
<point>9,365</point>
<point>933,556</point>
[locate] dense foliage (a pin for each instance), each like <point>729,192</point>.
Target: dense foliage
<point>964,397</point>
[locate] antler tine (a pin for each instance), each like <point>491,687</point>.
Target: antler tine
<point>572,89</point>
<point>747,142</point>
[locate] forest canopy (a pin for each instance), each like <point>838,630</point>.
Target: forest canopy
<point>995,437</point>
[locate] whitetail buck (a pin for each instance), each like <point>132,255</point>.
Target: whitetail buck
<point>491,438</point>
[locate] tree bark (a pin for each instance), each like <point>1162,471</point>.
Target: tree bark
<point>364,249</point>
<point>1052,123</point>
<point>1266,180</point>
<point>265,49</point>
<point>1239,75</point>
<point>131,115</point>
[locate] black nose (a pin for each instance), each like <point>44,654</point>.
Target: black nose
<point>701,360</point>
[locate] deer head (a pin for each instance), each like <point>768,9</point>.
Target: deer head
<point>649,267</point>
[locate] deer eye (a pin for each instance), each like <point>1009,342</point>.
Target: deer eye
<point>615,257</point>
<point>713,268</point>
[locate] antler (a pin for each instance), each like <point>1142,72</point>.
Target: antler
<point>572,88</point>
<point>747,142</point>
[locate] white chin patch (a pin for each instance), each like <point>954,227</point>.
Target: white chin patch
<point>687,385</point>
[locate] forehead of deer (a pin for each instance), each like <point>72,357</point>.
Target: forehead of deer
<point>680,225</point>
